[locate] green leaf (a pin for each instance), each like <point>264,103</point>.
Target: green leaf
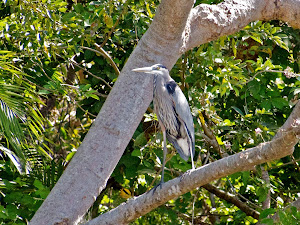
<point>238,110</point>
<point>245,177</point>
<point>233,45</point>
<point>266,213</point>
<point>254,88</point>
<point>257,39</point>
<point>136,152</point>
<point>42,191</point>
<point>267,221</point>
<point>43,92</point>
<point>38,184</point>
<point>149,11</point>
<point>14,158</point>
<point>108,21</point>
<point>140,140</point>
<point>266,104</point>
<point>279,102</point>
<point>261,193</point>
<point>70,156</point>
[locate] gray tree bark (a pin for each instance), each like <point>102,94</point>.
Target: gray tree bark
<point>176,28</point>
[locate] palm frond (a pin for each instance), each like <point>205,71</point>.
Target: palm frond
<point>21,123</point>
<point>12,130</point>
<point>14,159</point>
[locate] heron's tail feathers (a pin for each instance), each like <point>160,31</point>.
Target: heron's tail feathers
<point>182,145</point>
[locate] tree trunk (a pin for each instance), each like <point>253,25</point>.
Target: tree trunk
<point>176,28</point>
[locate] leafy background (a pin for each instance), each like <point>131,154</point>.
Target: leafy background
<point>59,61</point>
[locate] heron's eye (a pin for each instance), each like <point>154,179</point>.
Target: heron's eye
<point>158,68</point>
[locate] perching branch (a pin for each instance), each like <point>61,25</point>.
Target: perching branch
<point>268,151</point>
<point>107,56</point>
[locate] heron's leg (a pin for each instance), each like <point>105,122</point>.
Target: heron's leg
<point>165,155</point>
<point>193,166</point>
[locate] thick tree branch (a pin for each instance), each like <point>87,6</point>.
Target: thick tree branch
<point>209,22</point>
<point>162,40</point>
<point>136,207</point>
<point>292,121</point>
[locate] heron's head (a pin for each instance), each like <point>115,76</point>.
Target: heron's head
<point>156,69</point>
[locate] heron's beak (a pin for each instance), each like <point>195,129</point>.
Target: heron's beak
<point>143,70</point>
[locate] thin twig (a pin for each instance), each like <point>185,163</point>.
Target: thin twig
<point>295,162</point>
<point>41,69</point>
<point>25,78</point>
<point>263,71</point>
<point>77,88</point>
<point>93,75</point>
<point>107,56</point>
<point>211,139</point>
<point>85,110</point>
<point>285,164</point>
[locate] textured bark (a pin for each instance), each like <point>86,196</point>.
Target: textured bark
<point>209,22</point>
<point>177,27</point>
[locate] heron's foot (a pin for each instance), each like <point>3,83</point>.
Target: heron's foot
<point>159,185</point>
<point>187,173</point>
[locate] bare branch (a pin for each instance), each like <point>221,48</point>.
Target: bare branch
<point>91,74</point>
<point>232,199</point>
<point>107,56</point>
<point>209,136</point>
<point>264,71</point>
<point>102,52</point>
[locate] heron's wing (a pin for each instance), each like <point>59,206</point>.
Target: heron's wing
<point>183,152</point>
<point>182,109</point>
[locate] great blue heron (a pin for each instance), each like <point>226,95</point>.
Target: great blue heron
<point>173,113</point>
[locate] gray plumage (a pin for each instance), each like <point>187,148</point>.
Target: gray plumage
<point>173,113</point>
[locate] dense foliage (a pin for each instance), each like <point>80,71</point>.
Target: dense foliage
<point>59,61</point>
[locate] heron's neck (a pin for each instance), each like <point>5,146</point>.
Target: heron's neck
<point>159,82</point>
